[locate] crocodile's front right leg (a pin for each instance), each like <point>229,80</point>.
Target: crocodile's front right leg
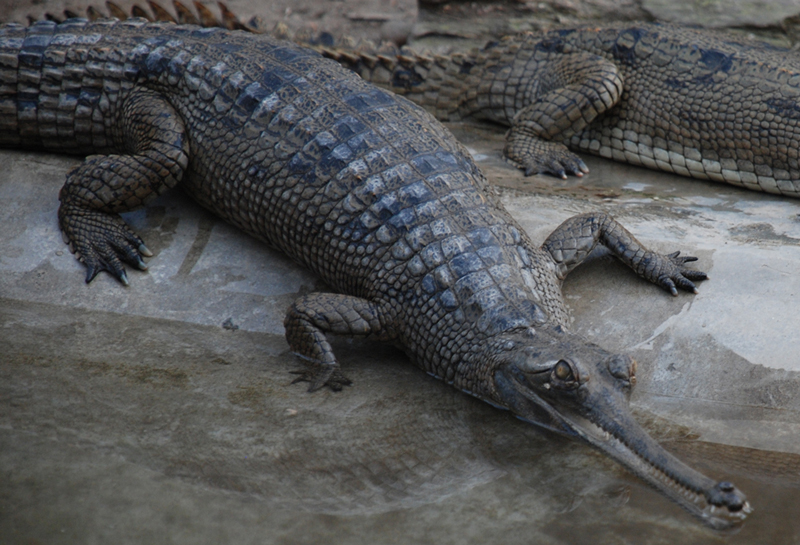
<point>98,190</point>
<point>572,90</point>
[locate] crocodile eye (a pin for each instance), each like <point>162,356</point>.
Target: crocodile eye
<point>565,376</point>
<point>563,371</point>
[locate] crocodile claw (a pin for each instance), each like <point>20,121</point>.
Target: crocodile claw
<point>145,251</point>
<point>94,268</point>
<point>559,167</point>
<point>674,275</point>
<point>103,242</point>
<point>535,156</point>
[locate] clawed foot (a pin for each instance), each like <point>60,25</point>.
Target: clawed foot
<point>543,157</point>
<point>673,275</point>
<point>320,376</point>
<point>559,166</point>
<point>102,242</point>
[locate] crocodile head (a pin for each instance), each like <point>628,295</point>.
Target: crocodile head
<point>560,381</point>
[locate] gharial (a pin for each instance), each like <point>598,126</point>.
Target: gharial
<point>687,101</point>
<point>360,186</point>
<point>694,102</point>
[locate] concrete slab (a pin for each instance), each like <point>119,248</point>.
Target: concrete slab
<point>131,415</point>
<point>723,13</point>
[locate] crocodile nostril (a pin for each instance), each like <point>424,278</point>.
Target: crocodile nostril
<point>622,367</point>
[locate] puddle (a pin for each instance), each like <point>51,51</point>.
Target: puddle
<point>635,186</point>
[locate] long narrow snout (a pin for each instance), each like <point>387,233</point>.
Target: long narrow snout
<point>599,415</point>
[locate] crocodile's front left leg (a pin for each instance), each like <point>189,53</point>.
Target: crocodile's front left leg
<point>102,187</point>
<point>572,242</point>
<point>314,315</point>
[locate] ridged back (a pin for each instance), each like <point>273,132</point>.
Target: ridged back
<point>361,186</point>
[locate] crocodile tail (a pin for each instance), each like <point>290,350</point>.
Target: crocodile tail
<point>207,19</point>
<point>201,15</point>
<point>159,13</point>
<point>433,81</point>
<point>113,10</point>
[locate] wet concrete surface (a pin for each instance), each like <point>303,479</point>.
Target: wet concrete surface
<point>163,412</point>
<point>723,13</point>
<point>132,415</point>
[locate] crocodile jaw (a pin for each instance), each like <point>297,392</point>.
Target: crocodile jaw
<point>675,485</point>
<point>607,424</point>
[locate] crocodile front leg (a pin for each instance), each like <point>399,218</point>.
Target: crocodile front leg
<point>98,190</point>
<point>573,89</point>
<point>572,242</point>
<point>313,315</point>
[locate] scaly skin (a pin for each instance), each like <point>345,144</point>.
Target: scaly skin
<point>692,102</point>
<point>365,189</point>
<point>201,15</point>
<point>687,101</point>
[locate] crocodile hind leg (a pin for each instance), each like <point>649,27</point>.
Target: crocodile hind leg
<point>572,242</point>
<point>572,90</point>
<point>314,315</point>
<point>103,186</point>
